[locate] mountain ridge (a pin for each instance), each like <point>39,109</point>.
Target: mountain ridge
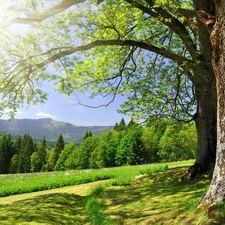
<point>50,129</point>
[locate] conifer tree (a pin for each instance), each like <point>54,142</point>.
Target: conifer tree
<point>87,134</point>
<point>121,126</point>
<point>6,153</point>
<point>59,146</point>
<point>28,147</point>
<point>27,152</point>
<point>116,126</point>
<point>18,145</point>
<point>131,123</point>
<point>42,153</point>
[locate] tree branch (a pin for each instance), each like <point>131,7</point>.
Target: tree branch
<point>36,16</point>
<point>71,50</point>
<point>170,21</point>
<point>187,13</point>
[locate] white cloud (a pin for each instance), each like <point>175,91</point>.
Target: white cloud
<point>42,114</point>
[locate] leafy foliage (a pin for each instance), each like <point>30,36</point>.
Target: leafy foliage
<point>107,149</point>
<point>67,150</point>
<point>135,144</point>
<point>131,148</point>
<point>35,162</point>
<point>177,143</point>
<point>143,50</point>
<point>87,147</point>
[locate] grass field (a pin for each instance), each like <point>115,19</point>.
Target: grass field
<point>24,183</point>
<point>150,194</point>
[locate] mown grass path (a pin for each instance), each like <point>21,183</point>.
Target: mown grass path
<point>56,206</point>
<point>148,199</point>
<point>81,189</point>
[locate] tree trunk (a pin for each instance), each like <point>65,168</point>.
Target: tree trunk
<point>205,121</point>
<point>205,89</point>
<point>216,191</point>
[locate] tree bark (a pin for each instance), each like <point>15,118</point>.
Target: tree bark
<point>216,191</point>
<point>205,121</point>
<point>205,89</point>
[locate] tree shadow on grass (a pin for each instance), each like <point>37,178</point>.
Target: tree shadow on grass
<point>56,208</point>
<point>153,199</point>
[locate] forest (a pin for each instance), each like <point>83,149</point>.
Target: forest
<point>125,144</point>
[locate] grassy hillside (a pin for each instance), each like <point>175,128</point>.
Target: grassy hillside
<point>50,129</point>
<point>151,194</point>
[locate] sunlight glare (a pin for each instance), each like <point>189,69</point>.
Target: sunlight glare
<point>2,14</point>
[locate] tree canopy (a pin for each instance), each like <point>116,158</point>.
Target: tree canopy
<point>141,49</point>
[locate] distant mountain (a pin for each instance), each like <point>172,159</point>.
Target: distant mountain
<point>50,129</point>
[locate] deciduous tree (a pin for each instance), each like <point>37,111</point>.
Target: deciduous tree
<point>35,162</point>
<point>131,149</point>
<point>108,148</point>
<point>68,149</point>
<point>72,160</point>
<point>216,23</point>
<point>14,164</point>
<point>50,162</point>
<point>175,144</point>
<point>84,152</point>
<point>157,53</point>
<point>151,137</point>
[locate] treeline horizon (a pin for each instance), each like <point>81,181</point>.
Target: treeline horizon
<point>125,144</point>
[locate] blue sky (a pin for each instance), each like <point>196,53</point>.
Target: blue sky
<point>62,108</point>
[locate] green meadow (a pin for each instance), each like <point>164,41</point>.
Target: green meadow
<point>147,194</point>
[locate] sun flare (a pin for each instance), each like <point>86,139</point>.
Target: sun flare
<point>2,12</point>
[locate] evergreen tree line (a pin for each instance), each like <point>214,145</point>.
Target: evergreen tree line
<point>24,155</point>
<point>130,144</point>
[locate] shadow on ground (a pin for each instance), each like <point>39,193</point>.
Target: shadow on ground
<point>56,208</point>
<point>153,199</point>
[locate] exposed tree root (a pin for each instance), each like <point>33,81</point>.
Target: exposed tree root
<point>194,172</point>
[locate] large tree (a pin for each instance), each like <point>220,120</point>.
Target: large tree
<point>216,191</point>
<point>158,53</point>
